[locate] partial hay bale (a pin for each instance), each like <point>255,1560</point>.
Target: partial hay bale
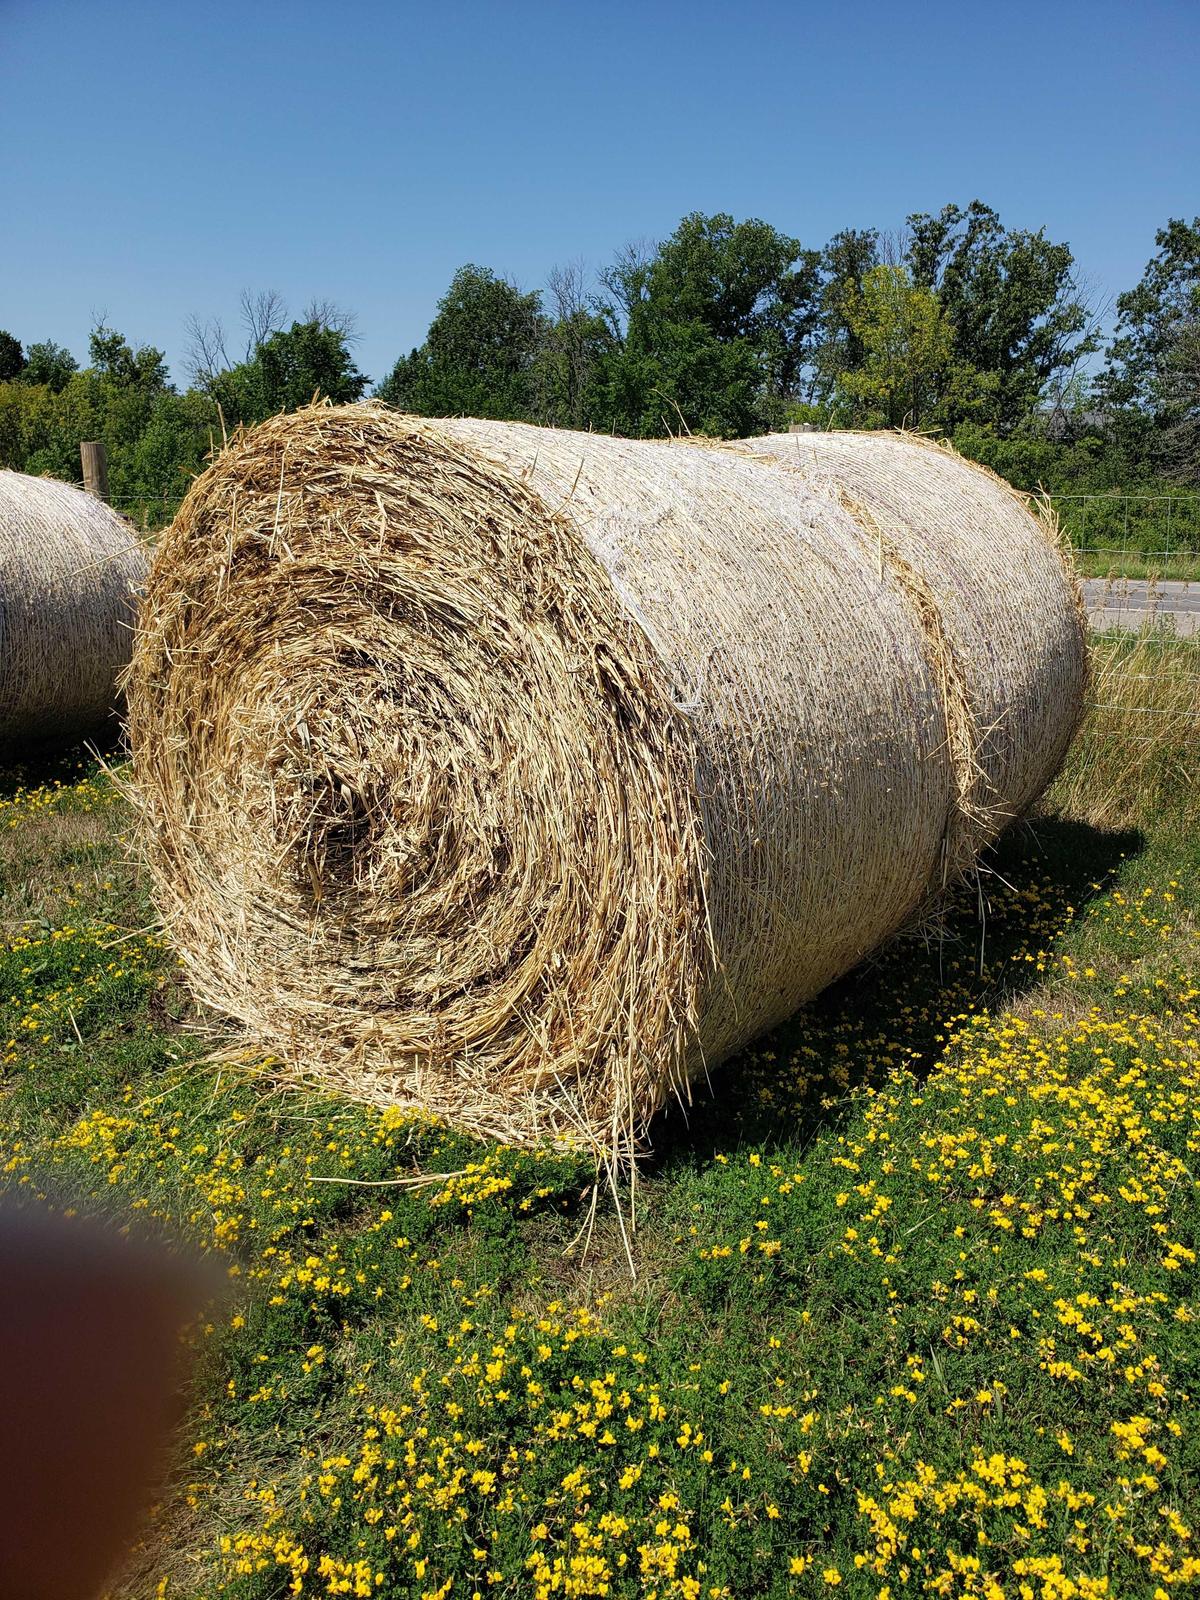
<point>1012,634</point>
<point>68,569</point>
<point>524,775</point>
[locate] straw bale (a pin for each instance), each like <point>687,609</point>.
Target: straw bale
<point>68,567</point>
<point>524,775</point>
<point>1010,631</point>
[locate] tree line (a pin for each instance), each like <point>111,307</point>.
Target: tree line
<point>958,326</point>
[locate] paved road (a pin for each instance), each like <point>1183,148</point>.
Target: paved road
<point>1132,602</point>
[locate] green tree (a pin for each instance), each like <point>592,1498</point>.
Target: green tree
<point>479,354</point>
<point>126,368</point>
<point>283,367</point>
<point>53,424</point>
<point>25,418</point>
<point>909,374</point>
<point>49,363</point>
<point>288,370</point>
<point>1012,298</point>
<point>156,438</point>
<point>1150,316</point>
<point>712,331</point>
<point>153,470</point>
<point>741,281</point>
<point>843,266</point>
<point>12,357</point>
<point>575,345</point>
<point>124,384</point>
<point>1152,372</point>
<point>685,379</point>
<point>1180,396</point>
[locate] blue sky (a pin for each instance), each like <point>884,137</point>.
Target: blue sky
<point>156,159</point>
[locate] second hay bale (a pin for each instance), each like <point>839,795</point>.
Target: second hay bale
<point>68,570</point>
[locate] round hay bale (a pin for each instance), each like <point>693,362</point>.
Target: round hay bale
<point>68,568</point>
<point>1011,631</point>
<point>523,775</point>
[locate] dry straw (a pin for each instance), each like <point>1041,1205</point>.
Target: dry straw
<point>524,775</point>
<point>68,568</point>
<point>999,601</point>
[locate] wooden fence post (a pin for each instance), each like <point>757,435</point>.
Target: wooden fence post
<point>94,456</point>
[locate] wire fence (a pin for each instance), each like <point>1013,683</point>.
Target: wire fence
<point>1146,688</point>
<point>1115,534</point>
<point>1133,533</point>
<point>148,511</point>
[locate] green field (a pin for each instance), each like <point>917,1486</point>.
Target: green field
<point>916,1307</point>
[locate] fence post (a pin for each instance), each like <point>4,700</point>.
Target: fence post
<point>94,455</point>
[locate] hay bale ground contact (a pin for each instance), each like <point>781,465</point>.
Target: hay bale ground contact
<point>68,569</point>
<point>524,775</point>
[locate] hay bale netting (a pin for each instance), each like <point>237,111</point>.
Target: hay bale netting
<point>521,775</point>
<point>1011,630</point>
<point>68,569</point>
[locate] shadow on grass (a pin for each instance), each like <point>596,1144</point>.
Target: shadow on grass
<point>897,1008</point>
<point>46,762</point>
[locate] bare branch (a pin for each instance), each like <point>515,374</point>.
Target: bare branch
<point>625,280</point>
<point>334,318</point>
<point>567,288</point>
<point>207,354</point>
<point>263,314</point>
<point>892,246</point>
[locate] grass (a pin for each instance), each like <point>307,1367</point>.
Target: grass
<point>1136,758</point>
<point>917,1302</point>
